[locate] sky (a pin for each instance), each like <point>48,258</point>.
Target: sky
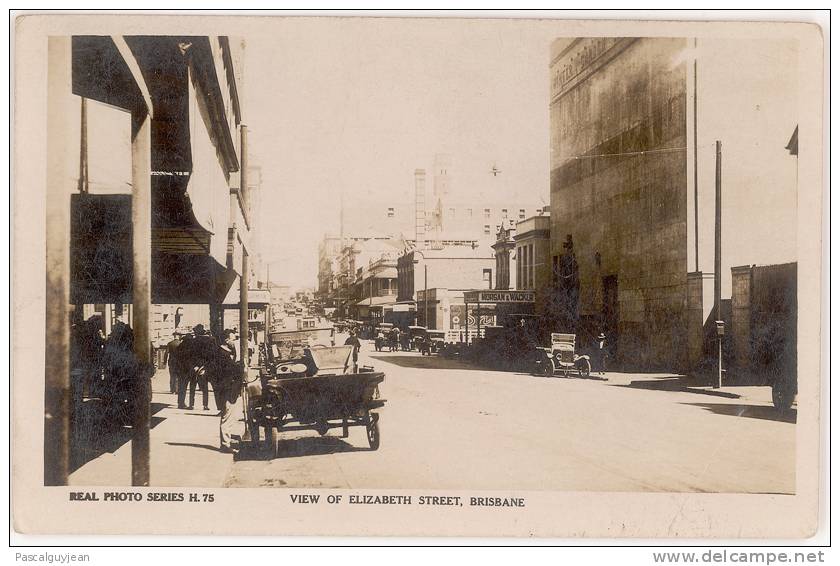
<point>357,105</point>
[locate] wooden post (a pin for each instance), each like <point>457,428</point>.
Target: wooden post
<point>141,220</point>
<point>61,179</point>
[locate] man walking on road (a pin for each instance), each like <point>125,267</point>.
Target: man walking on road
<point>352,340</point>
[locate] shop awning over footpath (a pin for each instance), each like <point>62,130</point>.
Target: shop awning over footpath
<point>191,211</point>
<point>377,302</point>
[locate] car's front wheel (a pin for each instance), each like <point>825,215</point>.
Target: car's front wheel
<point>584,369</point>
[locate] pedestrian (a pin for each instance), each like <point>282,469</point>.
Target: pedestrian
<point>601,353</point>
<point>352,340</point>
<point>90,349</point>
<point>193,353</point>
<point>225,375</point>
<point>171,361</point>
<point>229,343</point>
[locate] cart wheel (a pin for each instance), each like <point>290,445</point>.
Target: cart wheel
<point>584,368</point>
<point>373,432</point>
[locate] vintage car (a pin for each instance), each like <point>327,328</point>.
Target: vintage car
<point>311,387</point>
<point>561,358</point>
<point>416,335</point>
<point>437,339</point>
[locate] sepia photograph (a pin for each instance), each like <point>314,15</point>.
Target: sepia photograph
<point>419,263</point>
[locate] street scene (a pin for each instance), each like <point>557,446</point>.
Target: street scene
<point>589,436</point>
<point>568,264</point>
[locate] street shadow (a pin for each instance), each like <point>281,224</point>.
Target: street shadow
<point>93,435</point>
<point>764,412</point>
<point>214,414</point>
<point>434,362</point>
<point>678,384</point>
<point>212,447</point>
<point>298,447</point>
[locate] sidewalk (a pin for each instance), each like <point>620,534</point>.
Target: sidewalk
<point>688,384</point>
<point>184,446</point>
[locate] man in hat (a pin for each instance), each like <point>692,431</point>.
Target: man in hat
<point>170,360</point>
<point>601,353</point>
<point>352,340</point>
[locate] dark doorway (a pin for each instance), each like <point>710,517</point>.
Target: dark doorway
<point>610,313</point>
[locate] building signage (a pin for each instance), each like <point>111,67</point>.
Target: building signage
<point>580,58</point>
<point>499,296</point>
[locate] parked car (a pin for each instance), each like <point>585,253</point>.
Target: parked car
<point>437,339</point>
<point>561,358</point>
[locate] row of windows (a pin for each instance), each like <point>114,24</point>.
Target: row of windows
<point>488,212</point>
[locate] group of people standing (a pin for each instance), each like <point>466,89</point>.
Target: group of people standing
<point>393,339</point>
<point>200,359</point>
<point>106,368</point>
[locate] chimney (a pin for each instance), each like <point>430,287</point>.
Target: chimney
<point>420,208</point>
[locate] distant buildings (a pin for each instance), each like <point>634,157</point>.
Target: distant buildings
<point>438,240</point>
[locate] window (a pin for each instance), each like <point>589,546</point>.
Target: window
<point>486,213</point>
<point>451,213</point>
<point>390,212</point>
<point>469,213</point>
<point>522,214</point>
<point>486,228</point>
<point>504,212</point>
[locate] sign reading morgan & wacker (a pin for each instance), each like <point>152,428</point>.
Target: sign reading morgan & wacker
<point>499,296</point>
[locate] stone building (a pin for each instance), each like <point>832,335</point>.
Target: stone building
<point>533,254</point>
<point>453,267</point>
<point>632,218</point>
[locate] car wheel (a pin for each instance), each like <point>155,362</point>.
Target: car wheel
<point>373,432</point>
<point>584,368</point>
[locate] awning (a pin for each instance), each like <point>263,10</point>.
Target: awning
<point>387,273</point>
<point>377,301</point>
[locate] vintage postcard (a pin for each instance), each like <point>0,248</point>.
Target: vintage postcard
<point>417,276</point>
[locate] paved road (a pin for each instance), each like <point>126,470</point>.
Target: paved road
<point>448,425</point>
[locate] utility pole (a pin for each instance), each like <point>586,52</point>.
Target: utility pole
<point>425,292</point>
<point>696,198</point>
<point>718,316</point>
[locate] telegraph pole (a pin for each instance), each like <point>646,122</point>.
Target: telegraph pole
<point>718,317</point>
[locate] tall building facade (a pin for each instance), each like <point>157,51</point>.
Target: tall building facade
<point>632,220</point>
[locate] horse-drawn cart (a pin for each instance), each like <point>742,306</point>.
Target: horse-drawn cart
<point>314,390</point>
